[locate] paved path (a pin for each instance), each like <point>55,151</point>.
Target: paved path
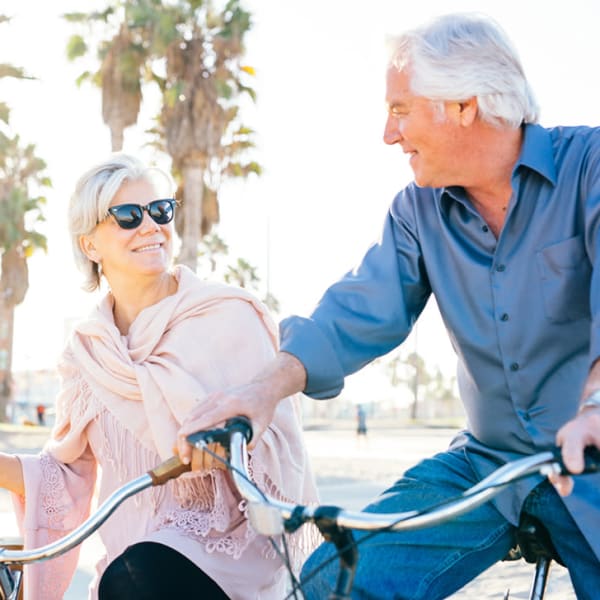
<point>350,472</point>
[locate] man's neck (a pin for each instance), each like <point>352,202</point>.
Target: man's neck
<point>490,185</point>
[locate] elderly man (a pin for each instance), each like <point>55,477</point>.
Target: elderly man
<point>501,226</point>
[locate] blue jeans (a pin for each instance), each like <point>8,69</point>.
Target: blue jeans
<point>435,562</point>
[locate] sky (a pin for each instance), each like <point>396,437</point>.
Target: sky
<point>328,177</point>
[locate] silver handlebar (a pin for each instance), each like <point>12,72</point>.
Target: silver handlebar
<point>263,508</point>
<point>19,557</point>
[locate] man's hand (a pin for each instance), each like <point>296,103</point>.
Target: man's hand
<point>573,437</point>
<point>257,400</point>
<point>217,407</point>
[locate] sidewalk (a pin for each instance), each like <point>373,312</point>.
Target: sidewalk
<point>350,472</point>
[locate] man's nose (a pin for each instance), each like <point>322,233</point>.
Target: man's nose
<point>391,132</point>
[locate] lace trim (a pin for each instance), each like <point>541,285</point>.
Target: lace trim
<point>209,514</point>
<point>52,490</point>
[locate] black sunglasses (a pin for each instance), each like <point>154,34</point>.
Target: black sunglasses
<point>130,216</point>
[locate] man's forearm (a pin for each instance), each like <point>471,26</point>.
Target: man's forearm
<point>284,376</point>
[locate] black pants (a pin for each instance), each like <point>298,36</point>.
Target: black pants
<point>151,571</point>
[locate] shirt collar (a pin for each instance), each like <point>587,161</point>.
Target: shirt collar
<point>537,153</point>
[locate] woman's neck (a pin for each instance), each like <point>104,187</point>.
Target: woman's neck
<point>130,298</point>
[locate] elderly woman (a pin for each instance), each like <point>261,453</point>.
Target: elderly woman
<point>157,343</point>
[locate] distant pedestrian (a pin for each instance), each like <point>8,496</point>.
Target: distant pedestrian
<point>41,414</point>
<point>361,421</point>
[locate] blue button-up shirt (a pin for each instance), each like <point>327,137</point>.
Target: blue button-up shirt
<point>522,311</point>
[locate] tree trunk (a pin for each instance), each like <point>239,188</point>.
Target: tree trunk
<point>116,137</point>
<point>7,311</point>
<point>415,403</point>
<point>193,191</point>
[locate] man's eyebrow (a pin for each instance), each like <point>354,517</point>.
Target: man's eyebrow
<point>402,104</point>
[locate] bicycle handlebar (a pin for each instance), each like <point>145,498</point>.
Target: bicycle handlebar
<point>238,430</point>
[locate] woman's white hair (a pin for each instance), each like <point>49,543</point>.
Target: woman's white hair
<point>459,56</point>
<point>91,199</point>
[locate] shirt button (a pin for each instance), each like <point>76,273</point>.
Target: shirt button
<point>500,268</point>
<point>504,317</point>
<point>485,229</point>
<point>514,367</point>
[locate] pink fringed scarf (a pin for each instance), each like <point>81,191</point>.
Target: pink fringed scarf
<point>206,336</point>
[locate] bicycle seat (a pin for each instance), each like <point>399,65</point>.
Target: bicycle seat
<point>533,542</point>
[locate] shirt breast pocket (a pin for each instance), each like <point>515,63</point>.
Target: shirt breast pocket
<point>565,273</point>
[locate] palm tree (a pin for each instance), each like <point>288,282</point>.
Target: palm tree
<point>20,169</point>
<point>201,48</point>
<point>243,274</point>
<point>122,59</point>
<point>410,371</point>
<point>211,248</point>
<point>200,118</point>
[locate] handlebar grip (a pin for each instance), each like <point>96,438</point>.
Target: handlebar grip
<point>241,424</point>
<point>169,469</point>
<point>591,461</point>
<point>221,435</point>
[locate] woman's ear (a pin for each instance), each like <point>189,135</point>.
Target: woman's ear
<point>88,248</point>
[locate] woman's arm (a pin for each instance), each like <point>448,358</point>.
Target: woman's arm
<point>11,474</point>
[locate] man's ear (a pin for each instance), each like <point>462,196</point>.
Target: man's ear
<point>88,248</point>
<point>467,111</point>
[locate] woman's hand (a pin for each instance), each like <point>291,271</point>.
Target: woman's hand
<point>204,461</point>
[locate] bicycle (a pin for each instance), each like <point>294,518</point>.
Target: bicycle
<point>272,517</point>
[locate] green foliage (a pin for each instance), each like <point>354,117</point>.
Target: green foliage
<point>12,71</point>
<point>76,47</point>
<point>242,273</point>
<point>102,16</point>
<point>21,169</point>
<point>85,76</point>
<point>237,20</point>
